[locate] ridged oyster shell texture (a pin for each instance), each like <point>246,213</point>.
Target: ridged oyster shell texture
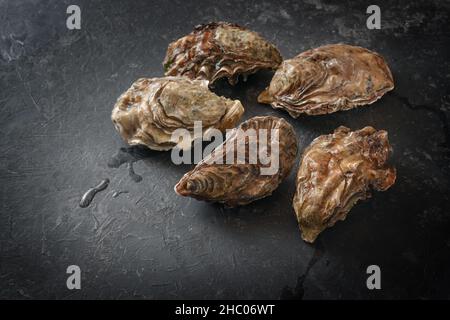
<point>216,50</point>
<point>242,182</point>
<point>335,172</point>
<point>152,109</point>
<point>328,79</point>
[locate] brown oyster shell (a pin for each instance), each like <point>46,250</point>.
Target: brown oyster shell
<point>240,184</point>
<point>220,49</point>
<point>328,79</point>
<point>152,109</point>
<point>336,171</point>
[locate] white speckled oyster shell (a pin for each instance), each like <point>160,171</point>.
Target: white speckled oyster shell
<point>152,109</point>
<point>217,50</point>
<point>328,79</point>
<point>239,184</point>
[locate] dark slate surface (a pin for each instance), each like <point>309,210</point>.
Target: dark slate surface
<point>57,88</point>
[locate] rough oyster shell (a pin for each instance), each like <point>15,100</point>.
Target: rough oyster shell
<point>239,184</point>
<point>336,171</point>
<point>217,50</point>
<point>152,109</point>
<point>328,79</point>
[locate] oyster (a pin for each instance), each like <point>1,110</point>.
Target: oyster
<point>244,179</point>
<point>152,109</point>
<point>336,171</point>
<point>219,49</point>
<point>328,79</point>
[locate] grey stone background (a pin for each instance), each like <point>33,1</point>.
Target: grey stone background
<point>57,89</point>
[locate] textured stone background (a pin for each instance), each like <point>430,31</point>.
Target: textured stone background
<point>57,88</point>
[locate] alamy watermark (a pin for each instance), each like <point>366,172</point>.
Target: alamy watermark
<point>248,146</point>
<point>74,280</point>
<point>374,280</point>
<point>374,20</point>
<point>74,20</point>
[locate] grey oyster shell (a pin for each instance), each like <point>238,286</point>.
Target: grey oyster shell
<point>336,171</point>
<point>152,109</point>
<point>328,79</point>
<point>239,184</point>
<point>219,49</point>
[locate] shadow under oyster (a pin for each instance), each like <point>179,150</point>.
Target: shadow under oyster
<point>244,179</point>
<point>220,49</point>
<point>328,79</point>
<point>151,110</point>
<point>335,172</point>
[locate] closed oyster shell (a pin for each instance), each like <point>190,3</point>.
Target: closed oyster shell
<point>335,172</point>
<point>239,184</point>
<point>328,79</point>
<point>217,50</point>
<point>152,109</point>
